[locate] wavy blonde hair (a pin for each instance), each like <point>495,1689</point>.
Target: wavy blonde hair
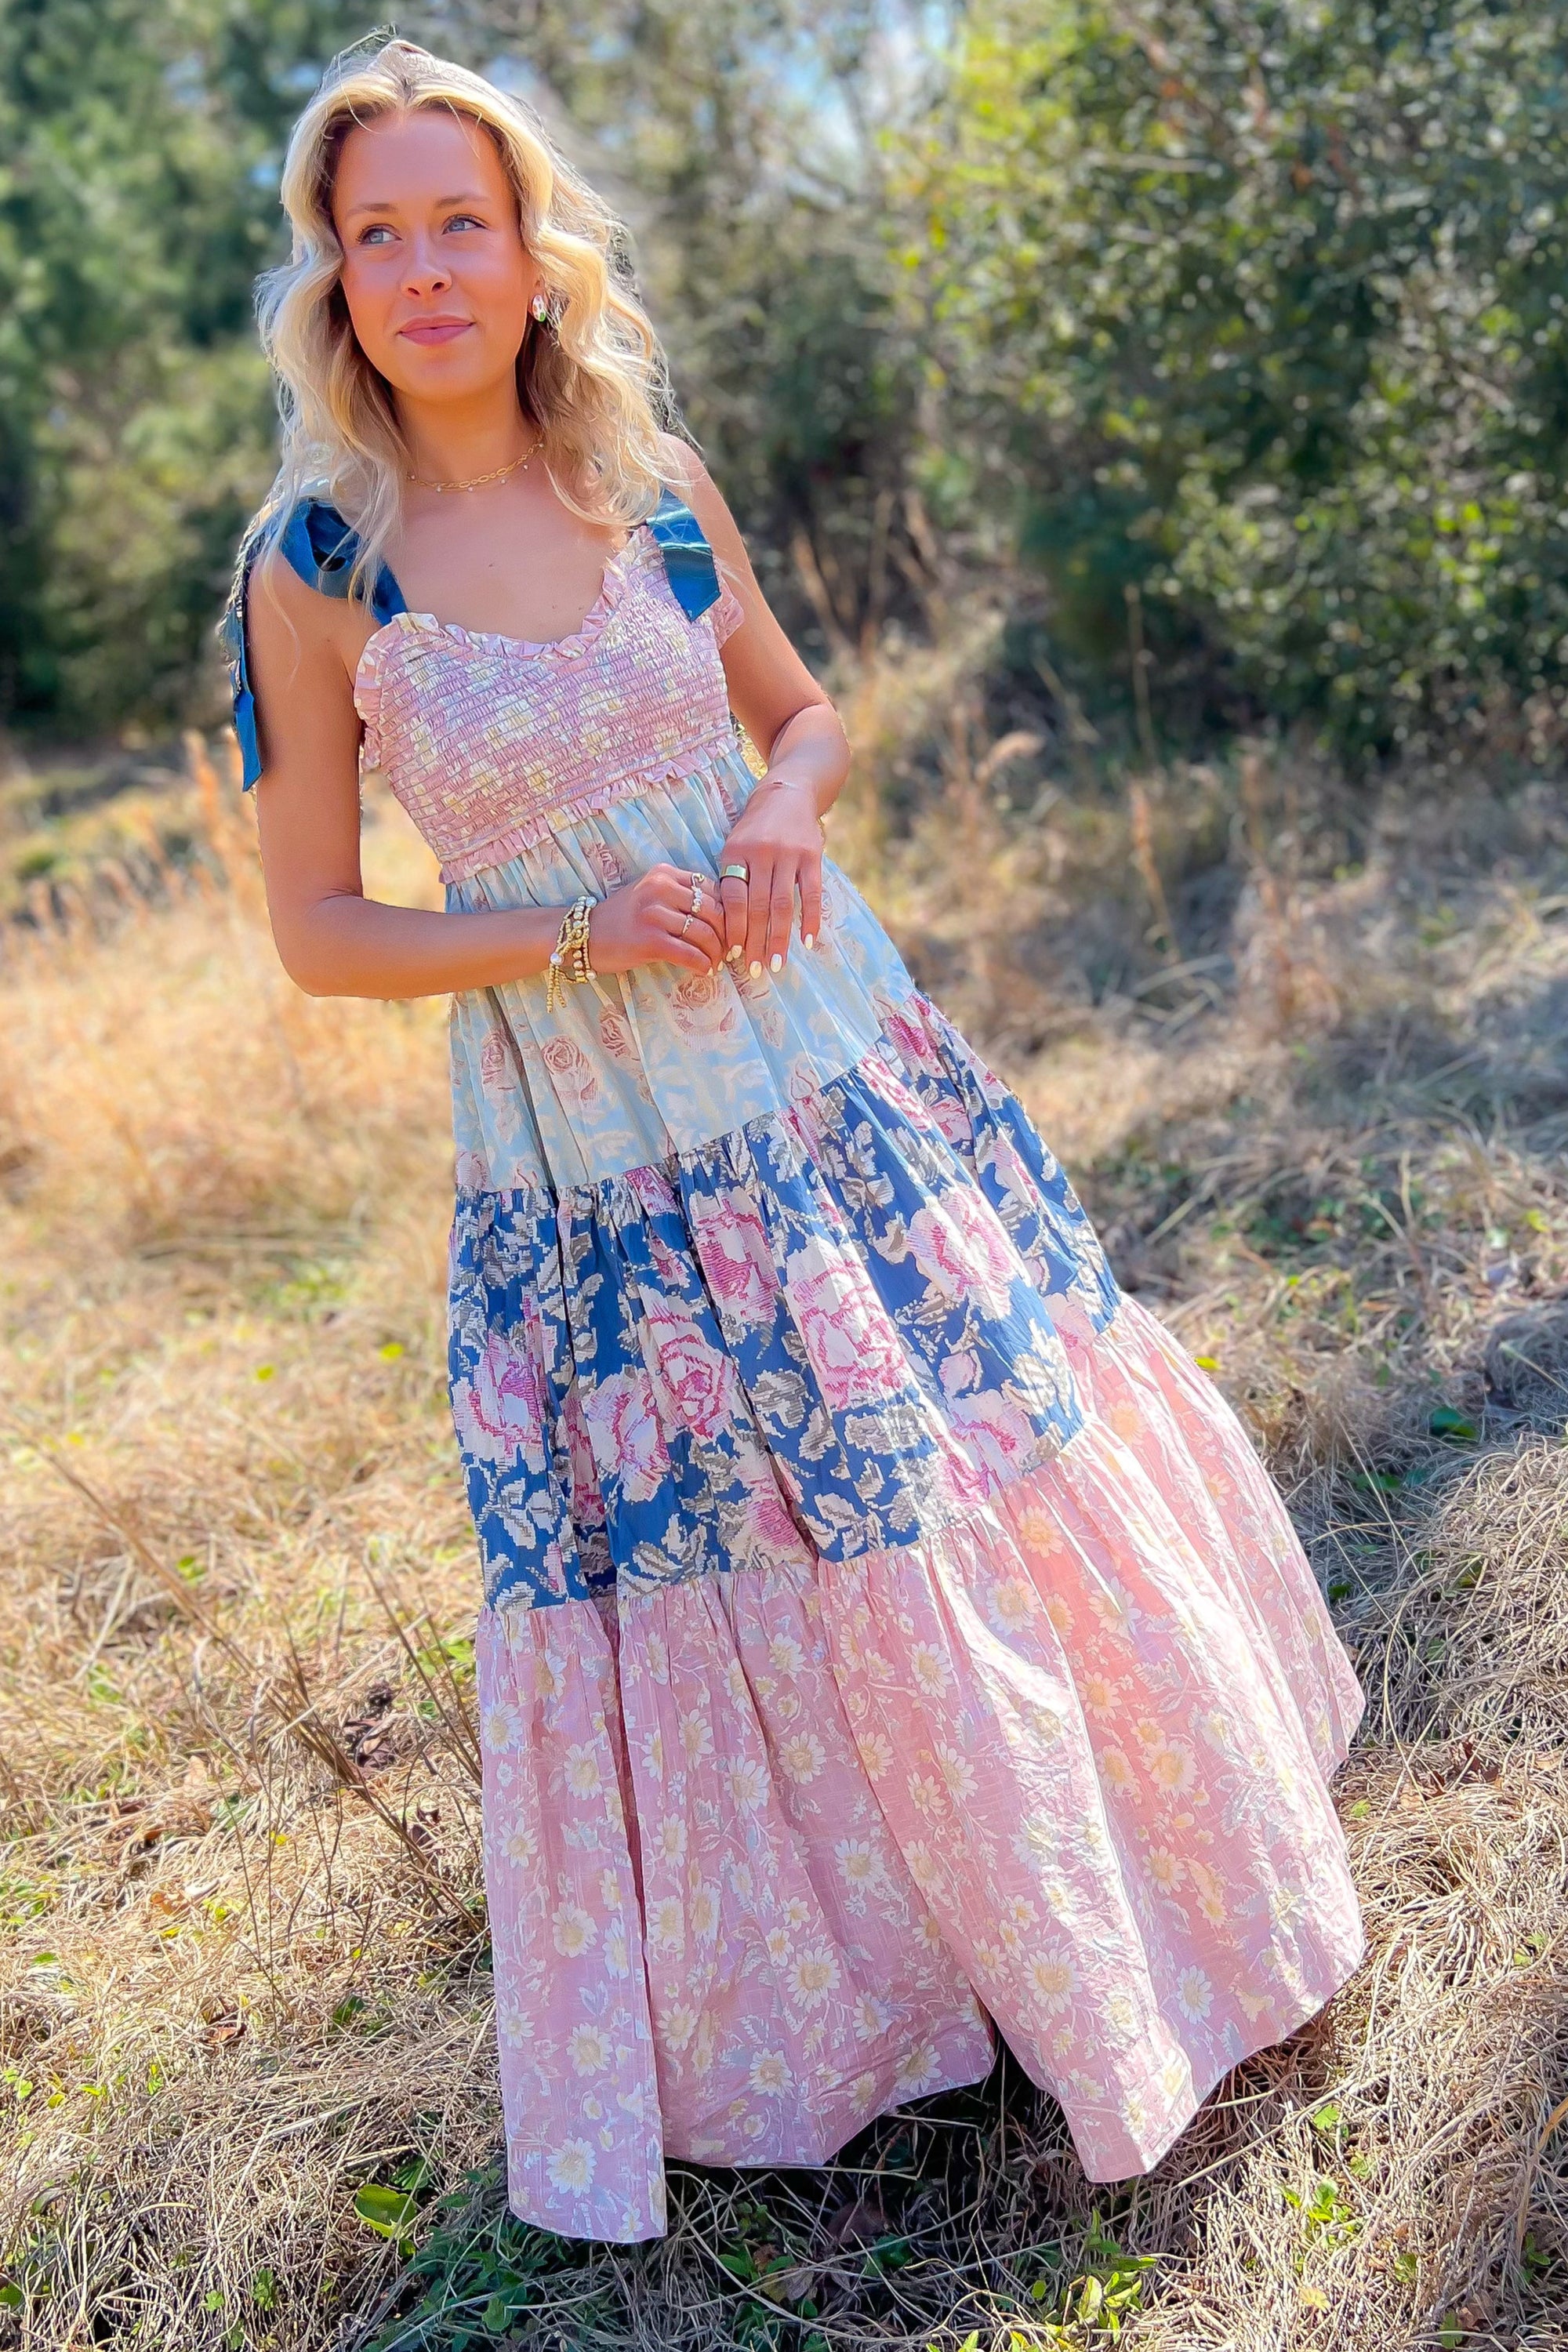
<point>591,376</point>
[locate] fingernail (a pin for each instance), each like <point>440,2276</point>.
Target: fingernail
<point>734,955</point>
<point>808,938</point>
<point>776,963</point>
<point>755,970</point>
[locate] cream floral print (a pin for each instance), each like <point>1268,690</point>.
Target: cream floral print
<point>890,1637</point>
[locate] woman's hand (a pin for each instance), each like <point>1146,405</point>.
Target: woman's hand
<point>667,915</point>
<point>778,839</point>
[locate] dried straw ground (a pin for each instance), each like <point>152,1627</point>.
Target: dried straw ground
<point>1310,1066</point>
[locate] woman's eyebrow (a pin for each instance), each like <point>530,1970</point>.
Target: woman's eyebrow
<point>390,203</point>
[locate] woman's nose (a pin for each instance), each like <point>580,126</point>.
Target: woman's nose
<point>426,272</point>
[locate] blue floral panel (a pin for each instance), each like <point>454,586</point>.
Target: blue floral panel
<point>825,1333</point>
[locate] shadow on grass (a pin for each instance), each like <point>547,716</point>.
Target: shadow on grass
<point>967,2210</point>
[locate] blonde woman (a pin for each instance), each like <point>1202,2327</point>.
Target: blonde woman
<point>889,1637</point>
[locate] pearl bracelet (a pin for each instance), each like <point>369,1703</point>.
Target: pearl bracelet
<point>569,966</point>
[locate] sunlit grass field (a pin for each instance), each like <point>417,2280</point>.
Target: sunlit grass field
<point>1305,1051</point>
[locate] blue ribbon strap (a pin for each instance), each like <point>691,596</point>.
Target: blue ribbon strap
<point>689,563</point>
<point>231,637</point>
<point>320,547</point>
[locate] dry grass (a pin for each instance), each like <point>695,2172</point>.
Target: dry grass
<point>1309,1064</point>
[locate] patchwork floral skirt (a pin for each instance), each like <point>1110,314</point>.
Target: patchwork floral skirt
<point>891,1636</point>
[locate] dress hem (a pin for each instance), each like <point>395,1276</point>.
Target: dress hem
<point>546,2215</point>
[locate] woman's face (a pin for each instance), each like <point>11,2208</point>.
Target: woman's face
<point>436,274</point>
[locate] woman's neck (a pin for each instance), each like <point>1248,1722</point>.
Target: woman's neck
<point>455,440</point>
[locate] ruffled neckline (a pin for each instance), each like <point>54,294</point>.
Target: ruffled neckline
<point>612,586</point>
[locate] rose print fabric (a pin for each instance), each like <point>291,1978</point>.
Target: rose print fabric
<point>829,1329</point>
<point>890,1637</point>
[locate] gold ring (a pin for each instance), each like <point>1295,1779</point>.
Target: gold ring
<point>736,874</point>
<point>696,894</point>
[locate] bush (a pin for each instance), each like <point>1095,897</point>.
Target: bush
<point>139,200</point>
<point>1262,312</point>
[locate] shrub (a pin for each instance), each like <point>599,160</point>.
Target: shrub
<point>1262,312</point>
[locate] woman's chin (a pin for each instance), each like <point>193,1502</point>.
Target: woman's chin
<point>454,371</point>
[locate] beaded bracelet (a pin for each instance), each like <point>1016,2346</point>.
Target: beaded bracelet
<point>569,965</point>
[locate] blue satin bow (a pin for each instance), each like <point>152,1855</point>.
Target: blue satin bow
<point>689,563</point>
<point>318,544</point>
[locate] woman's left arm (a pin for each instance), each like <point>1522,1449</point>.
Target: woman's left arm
<point>778,837</point>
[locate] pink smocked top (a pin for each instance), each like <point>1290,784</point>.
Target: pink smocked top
<point>490,742</point>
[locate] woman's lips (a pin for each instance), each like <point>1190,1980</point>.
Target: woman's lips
<point>435,331</point>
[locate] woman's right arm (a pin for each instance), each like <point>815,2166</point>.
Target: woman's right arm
<point>333,940</point>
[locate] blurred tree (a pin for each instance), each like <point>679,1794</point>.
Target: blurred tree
<point>1259,312</point>
<point>745,141</point>
<point>138,198</point>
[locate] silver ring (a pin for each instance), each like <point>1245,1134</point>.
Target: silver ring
<point>686,926</point>
<point>736,874</point>
<point>696,894</point>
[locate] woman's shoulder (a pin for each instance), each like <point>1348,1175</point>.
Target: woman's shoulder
<point>291,600</point>
<point>315,542</point>
<point>693,486</point>
<point>699,538</point>
<point>280,594</point>
<point>300,574</point>
<point>677,531</point>
<point>686,478</point>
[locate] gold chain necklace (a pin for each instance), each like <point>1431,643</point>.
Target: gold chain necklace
<point>501,474</point>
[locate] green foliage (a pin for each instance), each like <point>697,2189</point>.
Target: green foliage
<point>1099,2296</point>
<point>475,2271</point>
<point>389,2213</point>
<point>137,199</point>
<point>1252,327</point>
<point>1326,2218</point>
<point>744,140</point>
<point>1264,314</point>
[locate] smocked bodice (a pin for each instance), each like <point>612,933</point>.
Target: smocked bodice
<point>490,740</point>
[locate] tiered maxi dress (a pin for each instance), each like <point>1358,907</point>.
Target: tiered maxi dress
<point>889,1634</point>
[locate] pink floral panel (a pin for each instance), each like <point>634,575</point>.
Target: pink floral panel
<point>766,1848</point>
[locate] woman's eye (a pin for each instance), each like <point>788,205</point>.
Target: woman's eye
<point>375,235</point>
<point>465,220</point>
